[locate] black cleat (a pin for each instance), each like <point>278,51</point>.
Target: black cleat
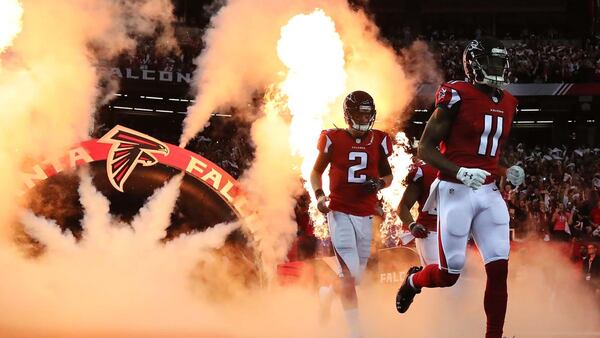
<point>407,293</point>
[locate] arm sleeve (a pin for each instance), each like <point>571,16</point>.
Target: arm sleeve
<point>447,97</point>
<point>324,143</point>
<point>386,145</point>
<point>414,174</point>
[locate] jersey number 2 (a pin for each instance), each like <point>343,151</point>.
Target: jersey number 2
<point>487,131</point>
<point>353,156</point>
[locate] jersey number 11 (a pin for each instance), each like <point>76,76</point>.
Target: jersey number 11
<point>485,136</point>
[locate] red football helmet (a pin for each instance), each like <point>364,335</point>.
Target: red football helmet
<point>359,111</point>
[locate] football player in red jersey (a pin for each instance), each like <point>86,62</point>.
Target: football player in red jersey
<point>418,181</point>
<point>471,123</point>
<point>358,156</point>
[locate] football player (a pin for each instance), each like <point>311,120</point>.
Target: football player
<point>471,123</point>
<point>358,156</point>
<point>418,181</point>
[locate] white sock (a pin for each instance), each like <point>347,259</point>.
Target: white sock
<point>410,281</point>
<point>353,322</point>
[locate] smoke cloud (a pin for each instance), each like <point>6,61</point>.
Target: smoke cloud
<point>122,280</point>
<point>49,76</point>
<point>273,226</point>
<point>240,59</point>
<point>114,271</point>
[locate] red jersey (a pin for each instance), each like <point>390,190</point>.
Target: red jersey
<point>352,161</point>
<point>595,215</point>
<point>423,174</point>
<point>480,128</point>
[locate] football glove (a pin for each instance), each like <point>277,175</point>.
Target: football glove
<point>472,177</point>
<point>322,204</point>
<point>515,175</point>
<point>418,230</point>
<point>372,184</point>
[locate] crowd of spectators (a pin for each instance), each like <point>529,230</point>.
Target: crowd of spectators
<point>560,196</point>
<point>405,35</point>
<point>148,57</point>
<point>227,143</point>
<point>532,61</point>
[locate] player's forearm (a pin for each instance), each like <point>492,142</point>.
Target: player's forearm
<point>316,181</point>
<point>404,214</point>
<point>387,180</point>
<point>432,155</point>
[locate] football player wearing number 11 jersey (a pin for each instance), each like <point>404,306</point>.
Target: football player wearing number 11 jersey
<point>470,124</point>
<point>358,156</point>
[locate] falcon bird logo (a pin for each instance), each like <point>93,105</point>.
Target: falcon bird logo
<point>129,148</point>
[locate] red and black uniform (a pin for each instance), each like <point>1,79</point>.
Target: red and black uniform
<point>424,174</point>
<point>353,160</point>
<point>480,128</point>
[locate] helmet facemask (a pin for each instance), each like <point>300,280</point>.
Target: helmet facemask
<point>491,69</point>
<point>486,63</point>
<point>362,119</point>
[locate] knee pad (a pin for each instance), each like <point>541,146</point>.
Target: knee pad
<point>455,263</point>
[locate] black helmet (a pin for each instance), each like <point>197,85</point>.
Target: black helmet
<point>359,102</point>
<point>486,62</point>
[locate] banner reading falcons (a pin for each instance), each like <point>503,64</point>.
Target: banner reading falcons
<point>124,150</point>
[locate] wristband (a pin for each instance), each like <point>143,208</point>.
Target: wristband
<point>319,193</point>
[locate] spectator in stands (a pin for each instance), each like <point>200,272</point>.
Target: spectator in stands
<point>556,176</point>
<point>591,267</point>
<point>560,220</point>
<point>595,219</point>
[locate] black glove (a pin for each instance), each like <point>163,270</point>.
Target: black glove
<point>372,184</point>
<point>418,230</point>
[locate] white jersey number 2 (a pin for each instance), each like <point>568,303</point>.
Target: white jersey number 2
<point>487,131</point>
<point>353,156</point>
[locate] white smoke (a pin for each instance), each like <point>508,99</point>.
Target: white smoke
<point>272,196</point>
<point>115,268</point>
<point>50,77</point>
<point>240,59</point>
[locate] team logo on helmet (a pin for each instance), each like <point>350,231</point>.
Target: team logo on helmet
<point>475,45</point>
<point>129,148</point>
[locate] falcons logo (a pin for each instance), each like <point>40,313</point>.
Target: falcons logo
<point>442,94</point>
<point>129,148</point>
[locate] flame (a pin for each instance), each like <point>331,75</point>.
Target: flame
<point>11,13</point>
<point>313,52</point>
<point>400,162</point>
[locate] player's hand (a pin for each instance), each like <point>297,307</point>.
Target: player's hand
<point>322,204</point>
<point>472,177</point>
<point>372,184</point>
<point>418,230</point>
<point>515,175</point>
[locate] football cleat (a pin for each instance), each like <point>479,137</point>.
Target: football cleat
<point>407,293</point>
